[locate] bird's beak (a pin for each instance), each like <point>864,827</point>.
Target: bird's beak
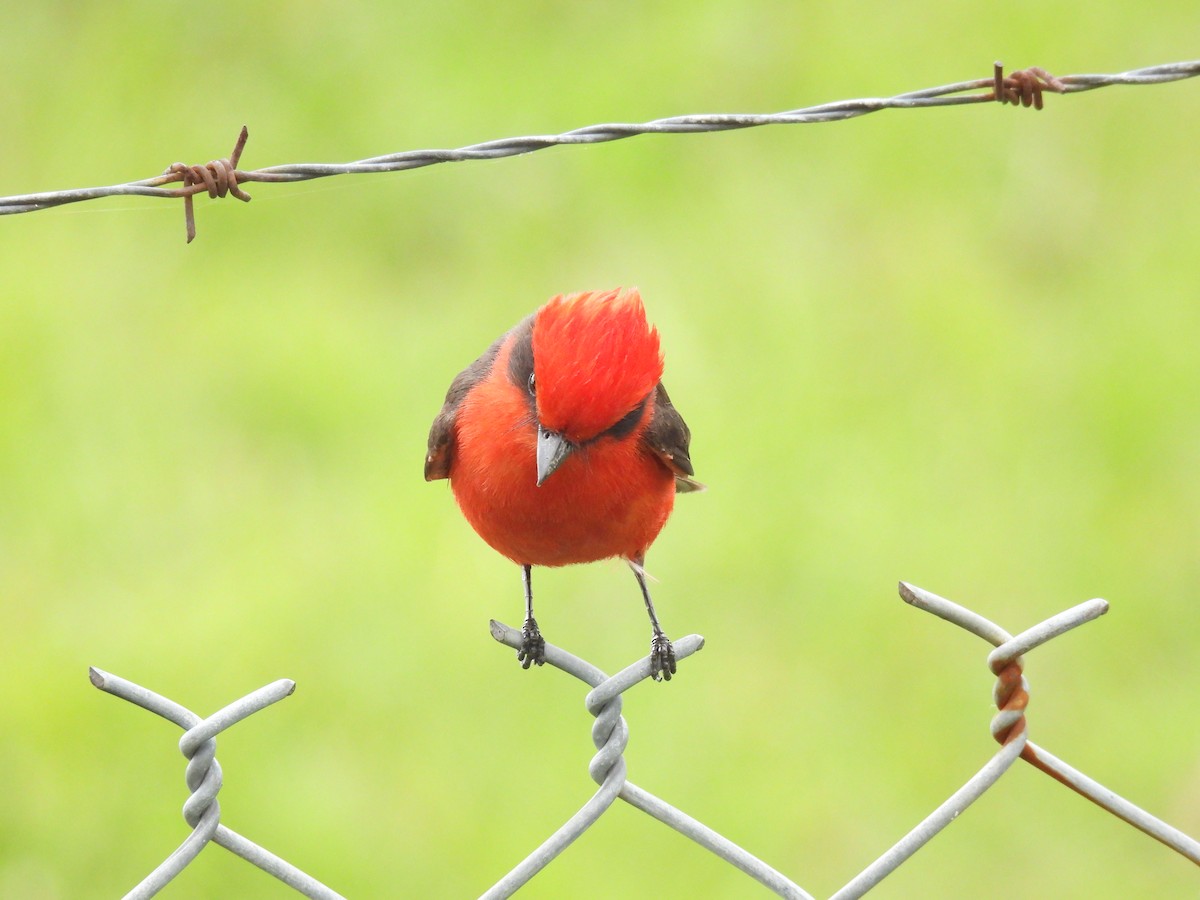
<point>552,449</point>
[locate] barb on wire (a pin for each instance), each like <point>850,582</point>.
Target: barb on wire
<point>202,811</point>
<point>218,177</point>
<point>1023,87</point>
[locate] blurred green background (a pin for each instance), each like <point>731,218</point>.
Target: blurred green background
<point>954,346</point>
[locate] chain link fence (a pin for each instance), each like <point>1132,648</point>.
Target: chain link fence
<point>610,734</point>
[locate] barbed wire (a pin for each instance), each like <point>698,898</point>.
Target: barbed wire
<point>610,735</point>
<point>221,177</point>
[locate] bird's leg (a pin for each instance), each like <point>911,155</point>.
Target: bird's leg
<point>662,654</point>
<point>533,648</point>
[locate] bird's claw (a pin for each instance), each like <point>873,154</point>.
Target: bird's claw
<point>533,647</point>
<point>662,657</point>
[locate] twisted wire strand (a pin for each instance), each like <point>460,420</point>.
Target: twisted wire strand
<point>610,734</point>
<point>221,177</point>
<point>1009,650</point>
<point>1011,696</point>
<point>201,810</point>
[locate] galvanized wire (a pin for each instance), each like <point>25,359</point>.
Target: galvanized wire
<point>1009,648</point>
<point>1008,727</point>
<point>610,734</point>
<point>222,177</point>
<point>202,811</point>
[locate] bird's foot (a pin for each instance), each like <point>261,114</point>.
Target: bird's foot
<point>662,657</point>
<point>533,647</point>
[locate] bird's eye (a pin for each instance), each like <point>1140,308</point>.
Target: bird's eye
<point>532,384</point>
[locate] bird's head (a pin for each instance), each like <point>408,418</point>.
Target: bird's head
<point>596,360</point>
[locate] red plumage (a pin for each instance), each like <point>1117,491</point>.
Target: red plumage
<point>596,358</point>
<point>562,446</point>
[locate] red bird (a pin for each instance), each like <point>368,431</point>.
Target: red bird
<point>562,446</point>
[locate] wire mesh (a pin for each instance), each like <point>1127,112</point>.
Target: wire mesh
<point>610,735</point>
<point>202,811</point>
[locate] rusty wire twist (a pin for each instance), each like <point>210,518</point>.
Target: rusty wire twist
<point>218,177</point>
<point>1011,696</point>
<point>1024,87</point>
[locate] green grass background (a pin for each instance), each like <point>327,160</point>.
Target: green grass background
<point>957,347</point>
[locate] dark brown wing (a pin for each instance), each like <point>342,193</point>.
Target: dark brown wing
<point>669,437</point>
<point>439,452</point>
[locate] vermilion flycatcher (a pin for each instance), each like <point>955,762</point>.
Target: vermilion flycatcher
<point>562,446</point>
